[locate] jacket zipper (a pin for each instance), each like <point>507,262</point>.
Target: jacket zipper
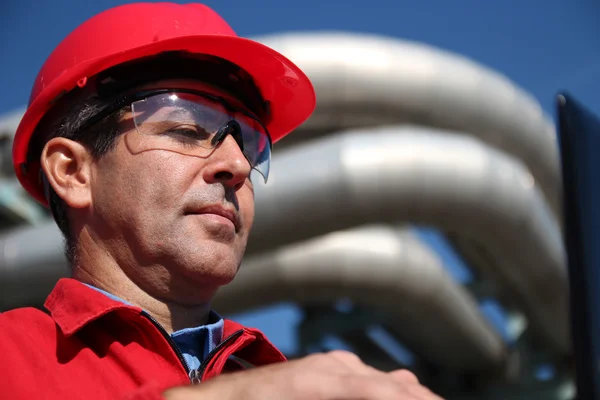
<point>197,375</point>
<point>171,342</point>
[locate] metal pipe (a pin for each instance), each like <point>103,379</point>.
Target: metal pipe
<point>10,121</point>
<point>368,80</point>
<point>8,126</point>
<point>381,268</point>
<point>419,175</point>
<point>31,261</point>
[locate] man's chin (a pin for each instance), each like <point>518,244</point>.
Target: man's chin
<point>215,273</point>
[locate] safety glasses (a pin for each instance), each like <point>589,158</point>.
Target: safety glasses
<point>193,122</point>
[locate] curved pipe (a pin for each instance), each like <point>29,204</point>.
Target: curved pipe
<point>429,177</point>
<point>382,268</point>
<point>8,126</point>
<point>368,80</point>
<point>10,121</point>
<point>31,261</point>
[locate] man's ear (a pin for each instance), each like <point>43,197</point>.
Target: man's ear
<point>67,166</point>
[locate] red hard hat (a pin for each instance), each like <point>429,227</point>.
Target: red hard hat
<point>137,30</point>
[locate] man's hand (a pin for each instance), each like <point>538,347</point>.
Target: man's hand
<point>337,375</point>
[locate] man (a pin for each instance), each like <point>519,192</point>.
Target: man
<point>142,132</point>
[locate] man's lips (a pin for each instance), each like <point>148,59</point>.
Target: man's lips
<point>221,212</point>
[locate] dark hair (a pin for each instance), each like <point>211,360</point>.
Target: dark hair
<point>99,139</point>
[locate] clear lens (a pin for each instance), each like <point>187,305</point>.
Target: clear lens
<point>187,123</point>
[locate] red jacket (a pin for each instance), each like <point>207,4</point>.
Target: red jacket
<point>92,347</point>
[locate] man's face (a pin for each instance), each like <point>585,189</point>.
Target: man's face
<point>161,213</point>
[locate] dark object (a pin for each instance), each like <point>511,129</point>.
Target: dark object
<point>579,136</point>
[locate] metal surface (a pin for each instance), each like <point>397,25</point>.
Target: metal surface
<point>423,176</point>
<point>10,121</point>
<point>8,126</point>
<point>382,268</point>
<point>368,80</point>
<point>31,261</point>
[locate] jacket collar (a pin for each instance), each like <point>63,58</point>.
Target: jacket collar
<point>73,305</point>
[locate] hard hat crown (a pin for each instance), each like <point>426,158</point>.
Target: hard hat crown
<point>124,28</point>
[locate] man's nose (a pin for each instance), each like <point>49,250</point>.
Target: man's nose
<point>227,164</point>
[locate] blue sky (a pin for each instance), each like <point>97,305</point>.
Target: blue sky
<point>542,45</point>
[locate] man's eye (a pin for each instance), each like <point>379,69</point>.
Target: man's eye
<point>188,133</point>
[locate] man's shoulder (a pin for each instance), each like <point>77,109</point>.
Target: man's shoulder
<point>26,334</point>
<point>24,319</point>
<point>23,312</point>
